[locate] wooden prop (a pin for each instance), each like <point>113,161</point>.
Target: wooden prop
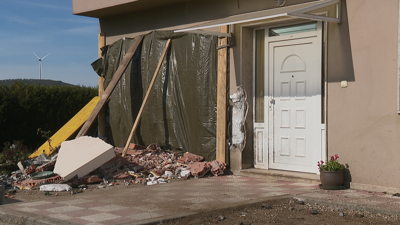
<point>222,98</point>
<point>117,76</point>
<point>145,99</point>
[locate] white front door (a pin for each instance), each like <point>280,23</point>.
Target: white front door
<point>293,102</point>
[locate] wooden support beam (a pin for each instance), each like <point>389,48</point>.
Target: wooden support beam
<point>117,76</point>
<point>145,98</point>
<point>221,97</point>
<point>102,114</point>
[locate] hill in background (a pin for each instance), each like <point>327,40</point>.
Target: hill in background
<point>34,82</point>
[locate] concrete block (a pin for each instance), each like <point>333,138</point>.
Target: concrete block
<point>81,156</point>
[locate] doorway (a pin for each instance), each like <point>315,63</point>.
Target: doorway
<point>287,97</point>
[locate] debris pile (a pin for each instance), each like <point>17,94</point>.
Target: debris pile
<point>155,165</point>
<point>141,165</point>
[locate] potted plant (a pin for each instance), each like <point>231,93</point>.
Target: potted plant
<point>331,172</point>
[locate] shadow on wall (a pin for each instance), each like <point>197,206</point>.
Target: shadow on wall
<point>347,177</point>
<point>340,59</point>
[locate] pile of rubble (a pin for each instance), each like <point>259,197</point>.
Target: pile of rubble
<point>141,165</point>
<point>151,163</point>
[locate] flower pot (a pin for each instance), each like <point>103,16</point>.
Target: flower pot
<point>331,178</point>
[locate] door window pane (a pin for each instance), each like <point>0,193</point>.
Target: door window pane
<point>292,29</point>
<point>259,76</point>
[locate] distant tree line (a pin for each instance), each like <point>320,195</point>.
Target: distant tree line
<point>34,82</point>
<point>25,107</point>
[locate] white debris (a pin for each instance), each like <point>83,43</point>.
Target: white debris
<point>151,182</point>
<point>168,173</point>
<point>55,187</point>
<point>185,173</point>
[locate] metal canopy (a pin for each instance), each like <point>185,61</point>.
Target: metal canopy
<point>299,11</point>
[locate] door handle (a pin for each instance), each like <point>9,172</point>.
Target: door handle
<point>271,102</point>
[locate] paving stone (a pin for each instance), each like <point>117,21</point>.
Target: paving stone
<point>133,205</point>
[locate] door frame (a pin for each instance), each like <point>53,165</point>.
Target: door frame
<point>264,129</point>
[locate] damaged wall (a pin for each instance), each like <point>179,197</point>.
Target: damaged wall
<point>181,110</point>
<point>239,110</point>
<point>239,107</point>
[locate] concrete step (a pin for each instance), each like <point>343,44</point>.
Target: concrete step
<point>310,178</point>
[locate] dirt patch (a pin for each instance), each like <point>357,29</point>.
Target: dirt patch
<point>286,211</point>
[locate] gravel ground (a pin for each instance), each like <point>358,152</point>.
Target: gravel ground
<point>286,211</point>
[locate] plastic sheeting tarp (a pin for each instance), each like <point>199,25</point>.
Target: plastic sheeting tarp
<point>180,113</point>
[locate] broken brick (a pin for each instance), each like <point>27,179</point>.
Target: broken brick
<point>199,169</point>
<point>217,168</point>
<point>157,172</point>
<point>190,157</point>
<point>123,175</point>
<point>119,151</point>
<point>136,146</point>
<point>31,169</point>
<point>54,179</point>
<point>32,183</point>
<point>46,167</point>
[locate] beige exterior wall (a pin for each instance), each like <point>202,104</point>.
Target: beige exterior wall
<point>179,15</point>
<point>107,8</point>
<point>363,124</point>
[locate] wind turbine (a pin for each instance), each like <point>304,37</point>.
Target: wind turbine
<point>40,65</point>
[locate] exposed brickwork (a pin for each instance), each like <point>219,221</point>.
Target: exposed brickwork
<point>34,183</point>
<point>31,169</point>
<point>46,167</point>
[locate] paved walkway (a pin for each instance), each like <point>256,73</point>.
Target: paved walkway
<point>143,204</point>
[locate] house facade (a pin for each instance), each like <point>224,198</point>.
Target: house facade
<point>321,77</point>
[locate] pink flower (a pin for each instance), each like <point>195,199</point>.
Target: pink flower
<point>322,162</point>
<point>336,156</point>
<point>332,158</point>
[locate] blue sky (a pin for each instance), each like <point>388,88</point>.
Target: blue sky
<point>47,26</point>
